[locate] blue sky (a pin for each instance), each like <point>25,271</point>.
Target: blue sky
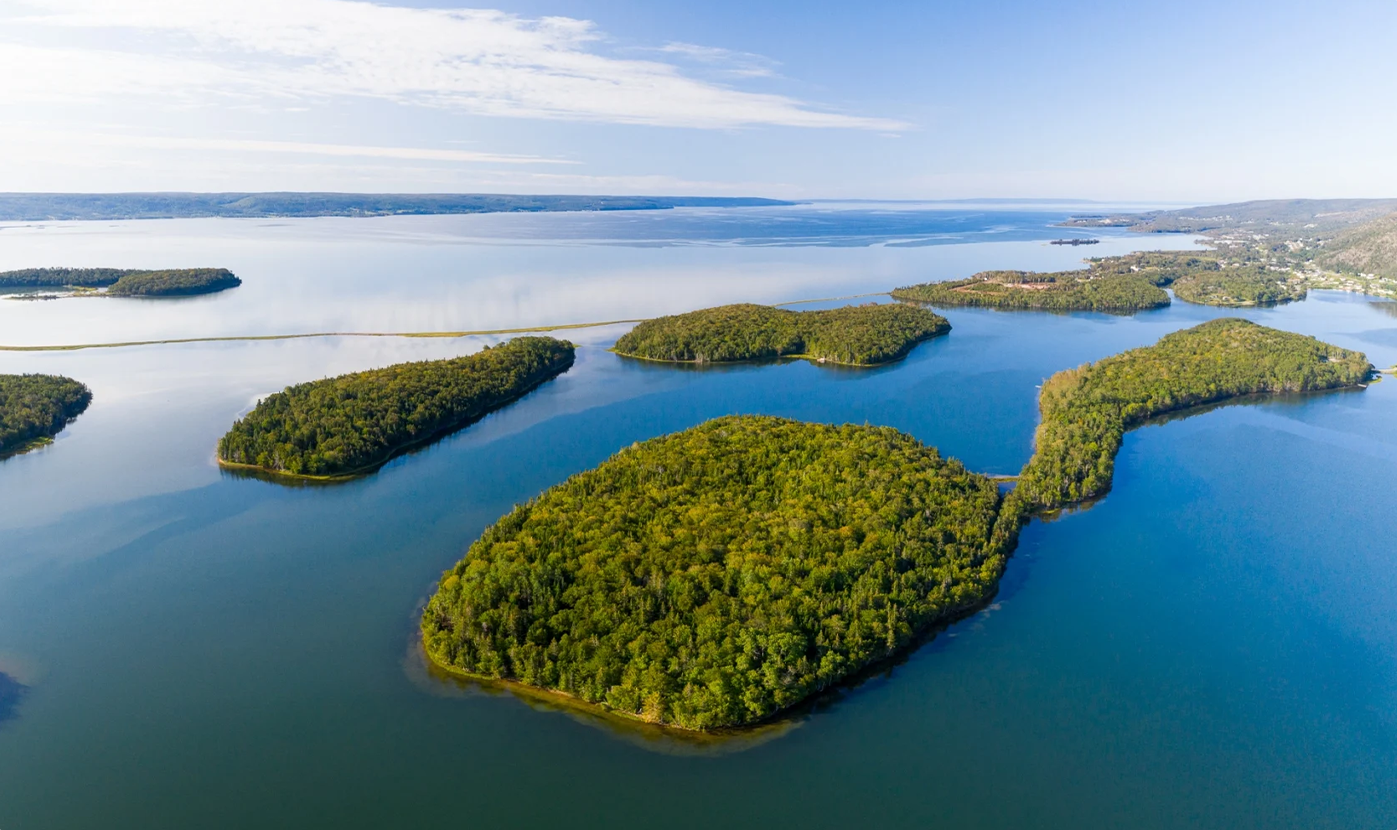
<point>1180,101</point>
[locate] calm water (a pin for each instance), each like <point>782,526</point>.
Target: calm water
<point>1213,645</point>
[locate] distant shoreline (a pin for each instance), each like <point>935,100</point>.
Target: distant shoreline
<point>58,207</point>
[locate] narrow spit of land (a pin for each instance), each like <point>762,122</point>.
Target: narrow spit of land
<point>714,578</point>
<point>862,335</point>
<point>35,408</point>
<point>352,424</point>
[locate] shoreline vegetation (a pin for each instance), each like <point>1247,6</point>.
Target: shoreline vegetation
<point>862,335</point>
<point>1081,290</point>
<point>1123,284</point>
<point>1339,244</point>
<point>119,282</point>
<point>350,425</point>
<point>715,578</point>
<point>35,408</point>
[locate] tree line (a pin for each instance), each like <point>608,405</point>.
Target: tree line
<point>855,335</point>
<point>36,407</point>
<point>353,423</point>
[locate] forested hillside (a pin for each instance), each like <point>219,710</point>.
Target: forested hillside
<point>353,423</point>
<point>714,577</point>
<point>37,407</point>
<point>1370,248</point>
<point>853,335</point>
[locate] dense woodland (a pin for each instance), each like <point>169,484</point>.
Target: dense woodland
<point>714,577</point>
<point>1230,278</point>
<point>855,335</point>
<point>125,282</point>
<point>35,407</point>
<point>1086,411</point>
<point>353,423</point>
<point>1064,291</point>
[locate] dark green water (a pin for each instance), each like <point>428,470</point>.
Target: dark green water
<point>1213,645</point>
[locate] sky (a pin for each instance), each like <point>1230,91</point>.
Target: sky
<point>1117,101</point>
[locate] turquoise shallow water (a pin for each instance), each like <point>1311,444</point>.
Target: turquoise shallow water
<point>1212,645</point>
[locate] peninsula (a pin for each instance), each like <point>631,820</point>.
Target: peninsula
<point>716,577</point>
<point>1082,290</point>
<point>353,424</point>
<point>119,282</point>
<point>34,408</point>
<point>863,335</point>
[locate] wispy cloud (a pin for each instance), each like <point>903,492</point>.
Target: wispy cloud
<point>15,133</point>
<point>729,62</point>
<point>477,61</point>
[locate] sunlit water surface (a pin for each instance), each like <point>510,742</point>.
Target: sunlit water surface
<point>1213,645</point>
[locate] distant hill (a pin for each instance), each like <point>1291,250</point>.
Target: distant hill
<point>1305,217</point>
<point>1370,248</point>
<point>30,207</point>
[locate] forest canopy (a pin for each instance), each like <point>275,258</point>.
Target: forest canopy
<point>1064,291</point>
<point>37,407</point>
<point>853,335</point>
<point>1086,411</point>
<point>125,282</point>
<point>354,423</point>
<point>1231,278</point>
<point>714,577</point>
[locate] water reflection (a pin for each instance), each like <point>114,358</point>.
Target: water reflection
<point>11,691</point>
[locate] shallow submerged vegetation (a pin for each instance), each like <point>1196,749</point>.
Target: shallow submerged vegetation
<point>353,423</point>
<point>718,576</point>
<point>120,282</point>
<point>853,335</point>
<point>34,408</point>
<point>1064,291</point>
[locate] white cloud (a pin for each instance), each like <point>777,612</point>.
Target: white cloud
<point>16,134</point>
<point>477,61</point>
<point>735,64</point>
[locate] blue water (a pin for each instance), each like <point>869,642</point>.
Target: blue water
<point>1212,645</point>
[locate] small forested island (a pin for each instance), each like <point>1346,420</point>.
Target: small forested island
<point>353,424</point>
<point>1080,290</point>
<point>1086,411</point>
<point>123,282</point>
<point>861,335</point>
<point>34,408</point>
<point>715,577</point>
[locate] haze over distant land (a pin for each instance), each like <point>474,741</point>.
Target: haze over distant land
<point>56,206</point>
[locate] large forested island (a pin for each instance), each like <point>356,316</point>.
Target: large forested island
<point>34,408</point>
<point>1086,411</point>
<point>353,424</point>
<point>124,282</point>
<point>1081,290</point>
<point>715,577</point>
<point>861,335</point>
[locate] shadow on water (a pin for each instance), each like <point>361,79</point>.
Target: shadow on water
<point>11,692</point>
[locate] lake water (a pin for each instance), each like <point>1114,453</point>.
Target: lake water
<point>1213,645</point>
